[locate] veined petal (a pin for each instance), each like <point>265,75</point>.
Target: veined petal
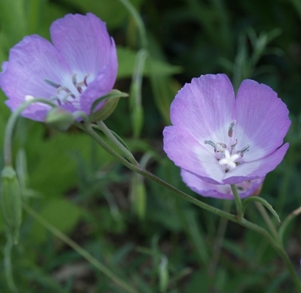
<point>189,154</point>
<point>102,84</point>
<point>31,61</point>
<point>205,107</point>
<point>261,119</point>
<point>256,169</point>
<point>84,43</point>
<point>245,189</point>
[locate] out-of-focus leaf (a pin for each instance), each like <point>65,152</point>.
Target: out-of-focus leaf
<point>112,12</point>
<point>12,21</point>
<point>50,160</point>
<point>61,213</point>
<point>127,59</point>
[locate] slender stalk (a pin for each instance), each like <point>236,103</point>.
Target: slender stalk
<point>92,260</point>
<point>117,143</point>
<point>11,125</point>
<point>237,219</point>
<point>237,202</point>
<point>290,267</point>
<point>220,234</point>
<point>138,20</point>
<point>267,219</point>
<point>89,130</point>
<point>7,262</point>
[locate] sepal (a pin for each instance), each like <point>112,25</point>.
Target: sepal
<point>110,102</point>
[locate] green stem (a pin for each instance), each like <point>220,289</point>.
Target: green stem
<point>138,21</point>
<point>89,130</point>
<point>290,267</point>
<point>267,219</point>
<point>11,125</point>
<point>8,263</point>
<point>117,143</point>
<point>220,234</point>
<point>79,250</point>
<point>238,203</point>
<point>241,221</point>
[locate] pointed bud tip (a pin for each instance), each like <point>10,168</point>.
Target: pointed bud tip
<point>106,105</point>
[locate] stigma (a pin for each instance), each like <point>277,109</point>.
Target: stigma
<point>229,160</point>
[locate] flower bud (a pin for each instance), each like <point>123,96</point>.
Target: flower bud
<point>110,102</point>
<point>11,201</point>
<point>59,119</point>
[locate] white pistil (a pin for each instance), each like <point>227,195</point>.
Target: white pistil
<point>229,159</point>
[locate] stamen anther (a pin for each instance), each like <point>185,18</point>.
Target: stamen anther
<point>211,143</point>
<point>245,149</point>
<point>62,88</point>
<point>223,145</point>
<point>234,144</point>
<point>86,79</point>
<point>56,85</point>
<point>74,79</point>
<point>231,128</point>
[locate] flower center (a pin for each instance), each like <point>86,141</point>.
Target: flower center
<point>228,156</point>
<point>70,92</point>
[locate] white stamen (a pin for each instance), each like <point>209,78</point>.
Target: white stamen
<point>229,159</point>
<point>29,98</point>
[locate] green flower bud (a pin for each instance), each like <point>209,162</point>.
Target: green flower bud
<point>59,119</point>
<point>11,201</point>
<point>111,101</point>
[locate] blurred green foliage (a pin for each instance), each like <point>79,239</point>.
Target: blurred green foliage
<point>146,235</point>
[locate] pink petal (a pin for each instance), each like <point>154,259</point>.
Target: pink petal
<point>261,119</point>
<point>256,169</point>
<point>84,43</point>
<point>189,154</point>
<point>205,107</point>
<point>31,61</point>
<point>102,84</point>
<point>224,191</point>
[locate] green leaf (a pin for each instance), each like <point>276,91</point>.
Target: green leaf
<point>61,213</point>
<point>50,160</point>
<point>112,12</point>
<point>12,21</point>
<point>127,59</point>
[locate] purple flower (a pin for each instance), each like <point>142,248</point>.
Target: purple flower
<point>79,67</point>
<point>217,139</point>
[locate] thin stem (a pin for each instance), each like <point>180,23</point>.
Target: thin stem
<point>92,260</point>
<point>11,125</point>
<point>290,267</point>
<point>7,262</point>
<point>219,239</point>
<point>267,219</point>
<point>117,143</point>
<point>241,221</point>
<point>89,130</point>
<point>138,20</point>
<point>237,202</point>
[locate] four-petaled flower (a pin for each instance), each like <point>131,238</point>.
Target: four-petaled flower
<point>78,68</point>
<point>217,139</point>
